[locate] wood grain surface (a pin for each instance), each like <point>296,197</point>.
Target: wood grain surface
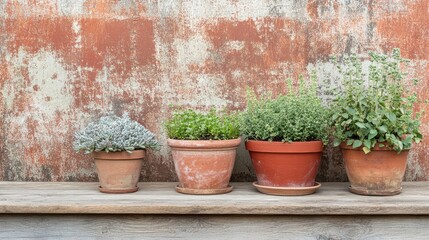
<point>212,227</point>
<point>161,198</point>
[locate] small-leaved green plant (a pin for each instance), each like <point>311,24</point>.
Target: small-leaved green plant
<point>192,125</point>
<point>298,115</point>
<point>113,134</point>
<point>373,105</point>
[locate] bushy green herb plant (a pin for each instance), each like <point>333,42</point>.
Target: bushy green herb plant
<point>298,115</point>
<point>374,106</point>
<point>113,134</point>
<point>192,125</point>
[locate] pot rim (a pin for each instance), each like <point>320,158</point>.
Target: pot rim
<point>344,145</point>
<point>204,144</point>
<point>121,155</point>
<point>284,147</point>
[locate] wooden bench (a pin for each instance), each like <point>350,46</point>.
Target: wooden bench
<point>79,211</point>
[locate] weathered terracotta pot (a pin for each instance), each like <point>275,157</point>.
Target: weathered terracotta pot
<point>379,172</point>
<point>119,172</point>
<point>280,164</point>
<point>204,166</point>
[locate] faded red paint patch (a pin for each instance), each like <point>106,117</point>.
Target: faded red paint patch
<point>121,43</point>
<point>264,52</point>
<point>312,7</point>
<point>113,42</point>
<point>34,34</point>
<point>226,30</point>
<point>106,39</point>
<point>407,30</point>
<point>258,46</point>
<point>144,42</point>
<point>269,43</point>
<point>119,46</point>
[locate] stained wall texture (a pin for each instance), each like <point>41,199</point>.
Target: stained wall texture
<point>64,63</point>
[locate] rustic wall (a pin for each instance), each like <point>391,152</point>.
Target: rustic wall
<point>63,63</point>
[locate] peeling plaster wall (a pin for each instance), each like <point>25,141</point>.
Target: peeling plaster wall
<point>64,63</point>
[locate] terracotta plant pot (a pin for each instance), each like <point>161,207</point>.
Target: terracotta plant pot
<point>280,164</point>
<point>204,166</point>
<point>119,172</point>
<point>379,172</point>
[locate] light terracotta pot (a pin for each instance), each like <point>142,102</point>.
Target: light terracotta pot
<point>204,165</point>
<point>379,172</point>
<point>280,164</point>
<point>119,172</point>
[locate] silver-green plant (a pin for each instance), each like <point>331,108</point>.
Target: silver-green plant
<point>114,134</point>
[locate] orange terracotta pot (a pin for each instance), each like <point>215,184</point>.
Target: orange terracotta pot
<point>280,164</point>
<point>379,172</point>
<point>119,172</point>
<point>204,164</point>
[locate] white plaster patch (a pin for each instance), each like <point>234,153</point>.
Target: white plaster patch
<point>236,73</point>
<point>235,45</point>
<point>168,8</point>
<point>207,92</point>
<point>70,7</point>
<point>47,92</point>
<point>329,79</point>
<point>48,79</point>
<point>198,10</point>
<point>77,31</point>
<point>191,51</point>
<point>354,23</point>
<point>296,10</point>
<point>392,6</point>
<point>3,13</point>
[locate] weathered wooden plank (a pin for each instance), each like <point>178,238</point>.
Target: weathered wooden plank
<point>212,227</point>
<point>160,198</point>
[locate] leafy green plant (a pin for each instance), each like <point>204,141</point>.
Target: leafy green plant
<point>373,106</point>
<point>192,125</point>
<point>113,134</point>
<point>298,115</point>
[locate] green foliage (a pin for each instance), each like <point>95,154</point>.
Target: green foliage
<point>373,106</point>
<point>191,125</point>
<point>113,134</point>
<point>298,115</point>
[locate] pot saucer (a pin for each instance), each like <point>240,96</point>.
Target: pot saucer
<point>195,191</point>
<point>287,191</point>
<point>131,190</point>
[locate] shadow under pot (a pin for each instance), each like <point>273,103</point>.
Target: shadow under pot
<point>119,172</point>
<point>204,166</point>
<point>285,168</point>
<point>380,172</point>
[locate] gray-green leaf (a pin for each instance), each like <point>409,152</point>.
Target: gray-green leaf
<point>357,143</point>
